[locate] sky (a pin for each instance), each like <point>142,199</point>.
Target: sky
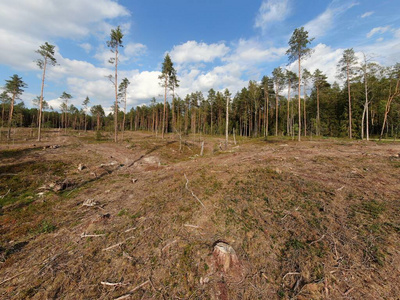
<point>213,43</point>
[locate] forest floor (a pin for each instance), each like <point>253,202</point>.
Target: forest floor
<point>140,219</point>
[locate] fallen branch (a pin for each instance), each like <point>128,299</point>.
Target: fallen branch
<point>192,226</point>
<point>83,235</point>
<point>167,245</point>
<point>132,291</point>
<point>2,196</point>
<point>113,283</point>
<point>318,240</point>
<point>186,186</point>
<point>11,278</point>
<point>119,244</point>
<point>290,273</point>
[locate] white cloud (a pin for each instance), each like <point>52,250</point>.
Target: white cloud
<point>68,19</point>
<point>134,50</point>
<point>272,11</point>
<point>191,51</point>
<point>377,30</point>
<point>367,14</point>
<point>86,46</point>
<point>252,52</point>
<point>324,58</point>
<point>325,21</point>
<point>380,39</point>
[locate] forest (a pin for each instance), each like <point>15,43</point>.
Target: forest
<point>280,104</point>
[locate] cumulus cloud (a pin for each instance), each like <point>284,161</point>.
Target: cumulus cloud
<point>192,51</point>
<point>68,19</point>
<point>367,14</point>
<point>272,11</point>
<point>325,21</point>
<point>377,30</point>
<point>253,52</point>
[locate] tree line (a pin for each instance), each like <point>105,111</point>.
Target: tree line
<point>283,103</point>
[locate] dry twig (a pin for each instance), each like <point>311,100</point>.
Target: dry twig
<point>186,186</point>
<point>132,291</point>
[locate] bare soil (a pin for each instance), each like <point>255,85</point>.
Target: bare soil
<point>317,219</point>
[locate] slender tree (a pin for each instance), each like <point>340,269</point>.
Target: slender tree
<point>15,87</point>
<point>114,43</point>
<point>319,80</point>
<point>85,107</point>
<point>123,91</point>
<point>279,79</point>
<point>211,99</point>
<point>298,49</point>
<point>227,95</point>
<point>167,72</point>
<point>173,84</point>
<point>5,100</point>
<point>46,52</point>
<point>98,111</point>
<point>65,97</point>
<point>347,70</point>
<point>306,78</point>
<point>290,78</point>
<point>254,92</point>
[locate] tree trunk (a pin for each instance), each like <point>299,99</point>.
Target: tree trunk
<point>276,112</point>
<point>165,102</point>
<point>11,115</point>
<point>299,102</point>
<point>348,90</point>
<point>116,96</point>
<point>318,132</point>
<point>123,121</point>
<point>288,109</point>
<point>227,121</point>
<point>304,111</point>
<point>41,101</point>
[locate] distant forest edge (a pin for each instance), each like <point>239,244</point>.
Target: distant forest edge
<point>281,104</point>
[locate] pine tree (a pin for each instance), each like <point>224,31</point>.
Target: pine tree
<point>347,70</point>
<point>114,43</point>
<point>15,87</point>
<point>47,52</point>
<point>298,49</point>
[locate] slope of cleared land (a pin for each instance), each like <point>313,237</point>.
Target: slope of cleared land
<point>309,220</point>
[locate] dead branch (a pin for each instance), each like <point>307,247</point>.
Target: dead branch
<point>186,186</point>
<point>192,226</point>
<point>167,245</point>
<point>83,235</point>
<point>2,196</point>
<point>132,291</point>
<point>90,202</point>
<point>113,283</point>
<point>124,254</point>
<point>290,273</point>
<point>318,240</point>
<point>130,229</point>
<point>11,278</point>
<point>119,244</point>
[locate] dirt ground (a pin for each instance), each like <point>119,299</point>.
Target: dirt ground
<point>84,218</point>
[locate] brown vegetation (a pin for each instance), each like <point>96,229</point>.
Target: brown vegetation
<point>307,220</point>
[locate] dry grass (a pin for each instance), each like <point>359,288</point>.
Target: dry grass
<point>310,220</point>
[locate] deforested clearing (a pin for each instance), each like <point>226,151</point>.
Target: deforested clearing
<point>149,218</point>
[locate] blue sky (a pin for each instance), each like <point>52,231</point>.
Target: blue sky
<point>213,43</point>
